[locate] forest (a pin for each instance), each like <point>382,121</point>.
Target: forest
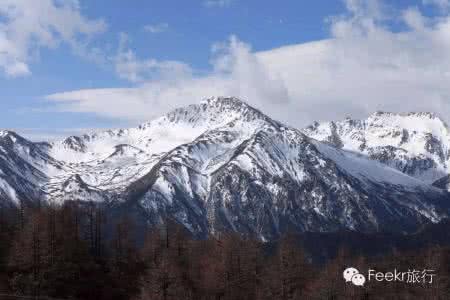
<point>76,251</point>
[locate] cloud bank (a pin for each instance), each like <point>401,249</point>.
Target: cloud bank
<point>364,66</point>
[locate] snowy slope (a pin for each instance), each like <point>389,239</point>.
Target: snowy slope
<point>278,178</point>
<point>24,169</point>
<point>223,165</point>
<point>417,144</point>
<point>113,159</point>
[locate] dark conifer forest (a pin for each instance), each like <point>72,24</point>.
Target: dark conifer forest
<point>76,252</point>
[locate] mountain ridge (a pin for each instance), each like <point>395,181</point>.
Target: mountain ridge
<point>223,165</point>
<point>416,143</point>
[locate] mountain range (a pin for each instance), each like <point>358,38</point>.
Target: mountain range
<point>222,165</point>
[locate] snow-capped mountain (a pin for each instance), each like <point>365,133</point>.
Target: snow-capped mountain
<point>417,144</point>
<point>222,165</point>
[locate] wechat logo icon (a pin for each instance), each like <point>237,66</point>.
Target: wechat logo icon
<point>352,275</point>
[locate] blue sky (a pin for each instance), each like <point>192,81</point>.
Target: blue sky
<point>77,65</point>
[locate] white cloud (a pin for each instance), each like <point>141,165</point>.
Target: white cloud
<point>237,71</point>
<point>361,68</point>
<point>28,25</point>
<point>156,28</point>
<point>217,3</point>
<point>133,69</point>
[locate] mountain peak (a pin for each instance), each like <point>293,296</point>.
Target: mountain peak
<point>414,114</point>
<point>75,143</point>
<point>8,133</point>
<point>227,104</point>
<point>11,138</point>
<point>224,101</point>
<point>416,143</point>
<point>407,119</point>
<point>425,122</point>
<point>214,112</point>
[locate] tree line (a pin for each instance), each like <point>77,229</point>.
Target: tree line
<point>76,251</point>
